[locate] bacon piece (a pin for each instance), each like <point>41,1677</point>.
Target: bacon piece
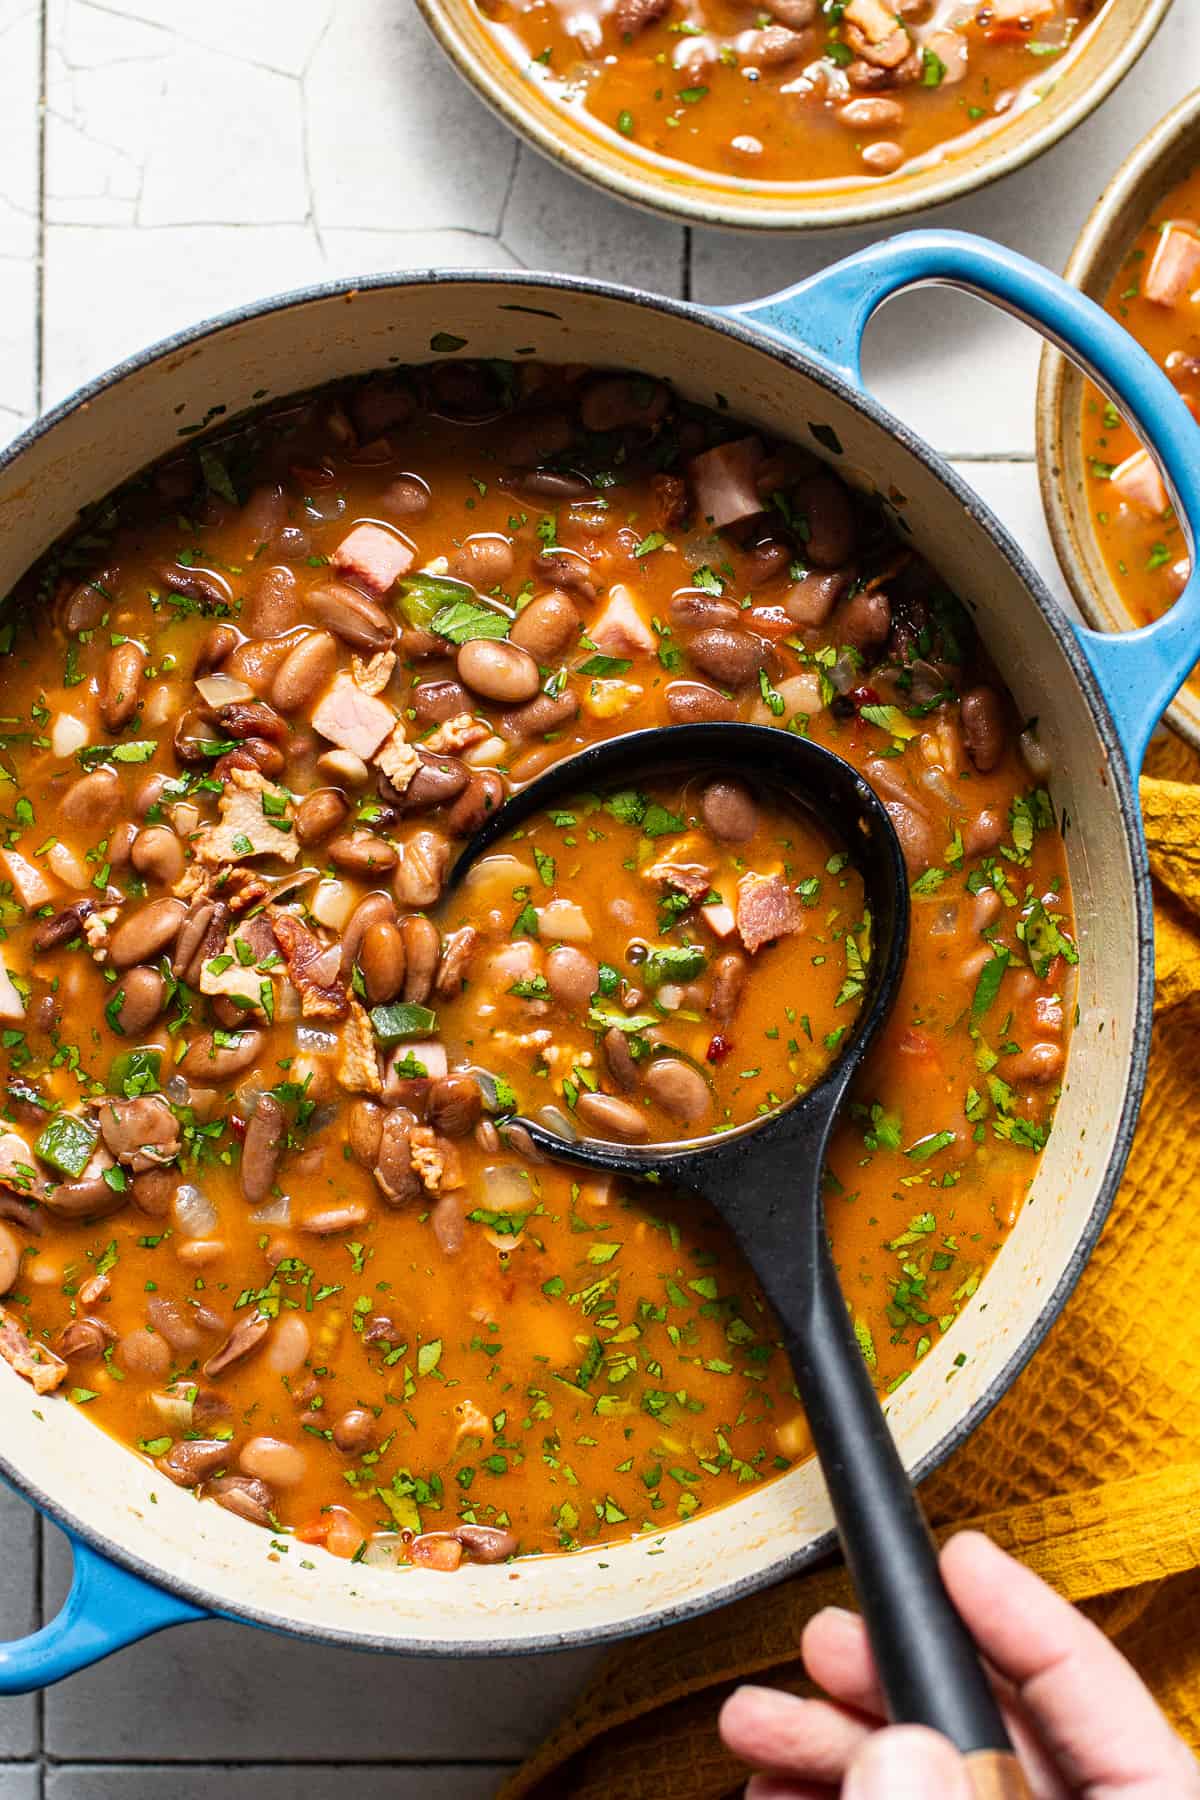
<point>620,629</point>
<point>18,1165</point>
<point>35,1362</point>
<point>358,1069</point>
<point>373,675</point>
<point>677,869</point>
<point>670,501</point>
<point>635,15</point>
<point>1175,270</point>
<point>398,759</point>
<point>352,719</point>
<point>1140,485</point>
<point>725,482</point>
<point>373,558</point>
<point>246,828</point>
<point>458,733</point>
<point>305,956</point>
<point>767,908</point>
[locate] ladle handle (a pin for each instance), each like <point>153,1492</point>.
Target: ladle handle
<point>928,1664</point>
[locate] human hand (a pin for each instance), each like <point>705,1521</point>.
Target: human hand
<point>1083,1723</point>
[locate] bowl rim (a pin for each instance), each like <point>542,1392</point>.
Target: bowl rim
<point>692,202</point>
<point>798,1559</point>
<point>1146,174</point>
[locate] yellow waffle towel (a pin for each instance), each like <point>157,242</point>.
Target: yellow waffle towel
<point>1088,1470</point>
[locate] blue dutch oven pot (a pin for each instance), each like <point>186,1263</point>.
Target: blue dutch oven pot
<point>147,1558</point>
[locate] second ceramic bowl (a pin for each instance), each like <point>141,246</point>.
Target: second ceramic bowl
<point>1109,50</point>
<point>1163,159</point>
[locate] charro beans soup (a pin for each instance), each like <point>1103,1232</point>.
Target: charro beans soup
<point>791,91</point>
<point>1156,296</point>
<point>260,1215</point>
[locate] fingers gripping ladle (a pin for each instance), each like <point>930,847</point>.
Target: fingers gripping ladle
<point>765,1181</point>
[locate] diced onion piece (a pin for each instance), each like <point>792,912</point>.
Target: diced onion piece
<point>174,1411</point>
<point>503,873</point>
<point>566,920</point>
<point>506,1189</point>
<point>67,734</point>
<point>946,923</point>
<point>384,1553</point>
<point>315,1041</point>
<point>29,884</point>
<point>287,1001</point>
<point>223,690</point>
<point>670,997</point>
<point>486,755</point>
<point>12,1007</point>
<point>185,818</point>
<point>194,1213</point>
<point>430,1054</point>
<point>62,861</point>
<point>935,780</point>
<point>276,1211</point>
<point>333,901</point>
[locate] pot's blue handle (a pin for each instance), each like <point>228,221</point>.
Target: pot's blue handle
<point>106,1609</point>
<point>1138,671</point>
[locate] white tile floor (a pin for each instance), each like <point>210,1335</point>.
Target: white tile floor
<point>186,158</point>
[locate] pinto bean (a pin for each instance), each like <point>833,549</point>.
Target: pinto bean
<point>569,569</point>
<point>486,1543</point>
<point>305,671</point>
<point>140,997</point>
<point>395,1176</point>
<point>455,1105</point>
<point>371,910</point>
<point>176,1322</point>
<point>10,1259</point>
<point>882,157</point>
<point>730,811</point>
<point>434,702</point>
<point>448,1220</point>
<point>93,800</point>
<point>247,1336</point>
<point>729,656</point>
<point>255,754</point>
<point>814,596</point>
<point>541,715</point>
<point>83,1340</point>
<point>864,621</point>
<point>122,687</point>
<point>364,1128</point>
<point>362,853</point>
<point>152,1191</point>
<point>146,933</point>
<point>85,608</point>
<point>612,1118</point>
<point>355,1431</point>
<point>202,936</point>
<point>1040,1063</point>
<point>981,714</point>
<point>476,804</point>
<point>619,1058</point>
<point>547,627</point>
<point>333,1221</point>
<point>245,1495</point>
<point>381,959</point>
<point>141,1132</point>
<point>438,781</point>
<point>827,508</point>
<point>252,719</point>
<point>208,1064</point>
<point>692,610</point>
<point>405,498</point>
<point>63,926</point>
<point>261,1149</point>
<point>454,961</point>
<point>272,604</point>
<point>679,1089</point>
<point>729,975</point>
<point>983,832</point>
<point>280,1465</point>
<point>221,642</point>
<point>871,113</point>
<point>422,869</point>
<point>319,813</point>
<point>351,617</point>
<point>499,671</point>
<point>485,561</point>
<point>421,949</point>
<point>572,975</point>
<point>143,1352</point>
<point>694,703</point>
<point>157,854</point>
<point>189,1463</point>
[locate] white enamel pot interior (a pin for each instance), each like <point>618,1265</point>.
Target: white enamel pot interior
<point>111,1498</point>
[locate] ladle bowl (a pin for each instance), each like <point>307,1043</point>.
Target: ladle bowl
<point>764,1178</point>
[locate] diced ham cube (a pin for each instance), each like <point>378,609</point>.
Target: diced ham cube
<point>1175,270</point>
<point>620,629</point>
<point>373,558</point>
<point>351,719</point>
<point>29,884</point>
<point>725,482</point>
<point>767,908</point>
<point>1140,485</point>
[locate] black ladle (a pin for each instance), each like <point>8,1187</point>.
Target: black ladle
<point>764,1179</point>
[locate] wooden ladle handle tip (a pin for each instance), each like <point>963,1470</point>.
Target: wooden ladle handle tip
<point>997,1775</point>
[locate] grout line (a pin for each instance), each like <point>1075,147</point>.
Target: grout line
<point>39,324</point>
<point>686,282</point>
<point>39,1602</point>
<point>231,1764</point>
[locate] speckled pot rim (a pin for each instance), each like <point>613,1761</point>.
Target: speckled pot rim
<point>788,1562</point>
<point>700,202</point>
<point>1149,171</point>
